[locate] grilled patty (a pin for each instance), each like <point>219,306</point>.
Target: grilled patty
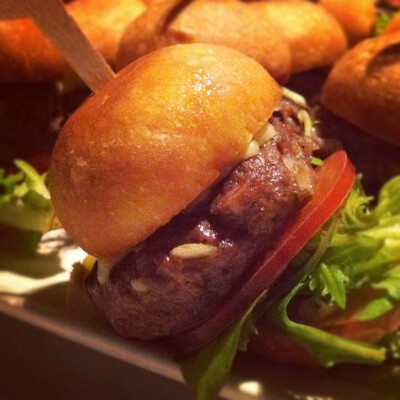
<point>161,288</point>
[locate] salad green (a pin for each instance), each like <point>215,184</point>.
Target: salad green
<point>207,370</point>
<point>358,248</point>
<point>25,205</point>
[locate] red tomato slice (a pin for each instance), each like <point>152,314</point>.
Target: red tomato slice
<point>334,181</point>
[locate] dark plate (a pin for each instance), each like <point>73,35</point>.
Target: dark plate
<point>37,290</point>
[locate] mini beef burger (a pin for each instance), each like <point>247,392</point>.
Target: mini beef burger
<point>176,178</point>
<point>191,181</point>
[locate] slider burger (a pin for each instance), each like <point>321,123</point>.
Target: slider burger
<point>31,70</point>
<point>283,37</point>
<point>176,178</point>
<point>191,181</point>
<point>227,23</point>
<point>357,17</point>
<point>27,55</point>
<point>159,190</point>
<point>315,38</point>
<point>364,87</point>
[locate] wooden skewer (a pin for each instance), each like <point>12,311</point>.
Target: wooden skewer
<point>52,18</point>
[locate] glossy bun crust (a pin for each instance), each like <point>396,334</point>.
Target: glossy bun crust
<point>315,38</point>
<point>149,143</point>
<point>104,22</point>
<point>227,23</point>
<point>27,55</point>
<point>364,87</point>
<point>357,17</point>
<point>393,25</point>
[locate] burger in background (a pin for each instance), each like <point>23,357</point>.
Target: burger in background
<point>38,90</point>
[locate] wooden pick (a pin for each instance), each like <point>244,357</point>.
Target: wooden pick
<point>52,18</point>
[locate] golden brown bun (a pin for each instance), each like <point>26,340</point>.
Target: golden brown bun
<point>364,87</point>
<point>152,2</point>
<point>315,38</point>
<point>104,22</point>
<point>228,23</point>
<point>357,17</point>
<point>144,147</point>
<point>27,55</point>
<point>393,25</point>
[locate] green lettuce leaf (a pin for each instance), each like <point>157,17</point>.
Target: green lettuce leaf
<point>382,22</point>
<point>364,251</point>
<point>25,204</point>
<point>330,281</point>
<point>358,247</point>
<point>207,370</point>
<point>392,343</point>
<point>328,348</point>
<point>376,308</point>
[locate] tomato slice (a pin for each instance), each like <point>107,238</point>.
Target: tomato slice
<point>334,181</point>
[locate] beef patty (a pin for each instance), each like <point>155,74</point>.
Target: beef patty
<point>161,288</point>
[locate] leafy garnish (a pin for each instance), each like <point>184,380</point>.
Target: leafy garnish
<point>25,204</point>
<point>330,281</point>
<point>392,343</point>
<point>28,240</point>
<point>382,22</point>
<point>328,348</point>
<point>375,309</point>
<point>360,246</point>
<point>365,251</point>
<point>316,161</point>
<point>207,370</point>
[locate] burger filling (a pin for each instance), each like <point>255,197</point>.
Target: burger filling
<point>185,270</point>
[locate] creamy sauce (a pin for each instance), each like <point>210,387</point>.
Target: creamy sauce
<point>104,267</point>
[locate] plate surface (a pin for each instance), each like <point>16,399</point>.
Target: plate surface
<point>36,290</point>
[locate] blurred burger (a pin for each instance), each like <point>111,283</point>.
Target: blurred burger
<point>37,90</point>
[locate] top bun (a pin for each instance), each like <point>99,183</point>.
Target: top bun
<point>152,140</point>
<point>315,38</point>
<point>357,17</point>
<point>364,87</point>
<point>104,22</point>
<point>393,25</point>
<point>27,55</point>
<point>226,23</point>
